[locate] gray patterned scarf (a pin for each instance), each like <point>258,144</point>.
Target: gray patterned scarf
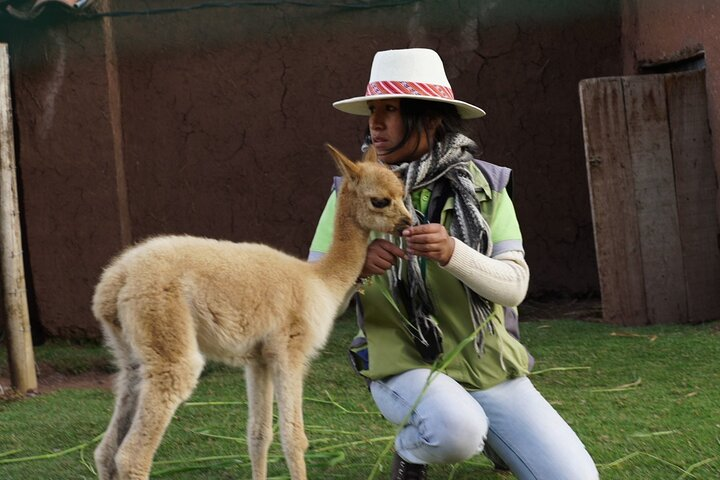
<point>449,160</point>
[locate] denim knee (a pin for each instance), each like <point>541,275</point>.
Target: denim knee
<point>447,425</point>
<point>451,435</point>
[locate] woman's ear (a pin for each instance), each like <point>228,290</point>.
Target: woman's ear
<point>431,126</point>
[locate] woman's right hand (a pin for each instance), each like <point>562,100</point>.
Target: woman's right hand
<point>381,255</point>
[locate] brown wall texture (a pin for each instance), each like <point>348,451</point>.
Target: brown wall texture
<point>211,122</point>
<point>661,32</point>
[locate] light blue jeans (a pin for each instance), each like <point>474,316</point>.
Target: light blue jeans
<point>450,425</point>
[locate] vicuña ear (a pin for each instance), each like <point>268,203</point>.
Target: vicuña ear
<point>347,167</point>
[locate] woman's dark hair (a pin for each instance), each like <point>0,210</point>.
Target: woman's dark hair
<point>419,116</point>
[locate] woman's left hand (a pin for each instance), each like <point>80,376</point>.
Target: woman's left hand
<point>430,241</point>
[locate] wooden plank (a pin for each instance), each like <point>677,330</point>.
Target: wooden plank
<point>654,188</point>
<point>696,191</point>
<point>617,238</point>
<point>20,350</point>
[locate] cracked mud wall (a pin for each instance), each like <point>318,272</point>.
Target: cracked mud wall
<point>223,113</point>
<point>662,32</point>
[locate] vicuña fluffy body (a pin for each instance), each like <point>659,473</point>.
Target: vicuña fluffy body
<point>169,303</point>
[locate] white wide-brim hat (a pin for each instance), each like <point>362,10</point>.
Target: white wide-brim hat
<point>409,73</point>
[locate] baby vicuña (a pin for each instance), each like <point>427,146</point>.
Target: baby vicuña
<point>171,302</point>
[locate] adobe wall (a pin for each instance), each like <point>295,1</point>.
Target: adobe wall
<point>223,112</point>
<point>662,31</point>
<point>64,153</point>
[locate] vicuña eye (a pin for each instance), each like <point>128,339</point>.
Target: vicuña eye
<point>380,202</point>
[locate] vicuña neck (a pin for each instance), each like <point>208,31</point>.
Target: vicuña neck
<point>342,264</point>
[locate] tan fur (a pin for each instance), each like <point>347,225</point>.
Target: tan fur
<point>169,303</point>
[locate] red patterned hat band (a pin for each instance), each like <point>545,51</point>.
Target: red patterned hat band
<point>409,88</point>
<point>423,77</point>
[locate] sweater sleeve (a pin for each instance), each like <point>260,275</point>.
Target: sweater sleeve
<point>502,279</point>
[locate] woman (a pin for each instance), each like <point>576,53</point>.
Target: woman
<point>444,295</point>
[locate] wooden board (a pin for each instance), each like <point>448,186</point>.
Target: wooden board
<point>654,187</point>
<point>653,194</point>
<point>696,188</point>
<point>617,238</point>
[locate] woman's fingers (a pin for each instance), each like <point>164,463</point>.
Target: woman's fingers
<point>381,255</point>
<point>430,241</point>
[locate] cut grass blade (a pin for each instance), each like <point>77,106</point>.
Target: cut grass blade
<point>654,434</point>
<point>557,369</point>
<point>355,443</point>
<point>213,404</point>
<point>650,338</point>
<point>206,433</point>
<point>87,464</point>
<point>234,458</point>
<point>49,456</point>
<point>619,388</point>
<point>327,430</point>
<point>621,461</point>
<point>10,452</point>
<point>189,468</point>
<point>697,465</point>
<point>331,401</point>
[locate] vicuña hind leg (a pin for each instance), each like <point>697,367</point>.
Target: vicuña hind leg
<point>260,405</point>
<point>126,391</point>
<point>162,333</point>
<point>162,389</point>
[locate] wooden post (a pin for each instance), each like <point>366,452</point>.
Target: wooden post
<point>19,340</point>
<point>115,110</point>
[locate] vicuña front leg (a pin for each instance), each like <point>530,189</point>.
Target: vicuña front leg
<point>260,406</point>
<point>289,387</point>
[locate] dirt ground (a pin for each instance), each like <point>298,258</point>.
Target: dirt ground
<point>588,309</point>
<point>49,379</point>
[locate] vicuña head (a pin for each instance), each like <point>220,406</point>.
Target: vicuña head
<point>371,193</point>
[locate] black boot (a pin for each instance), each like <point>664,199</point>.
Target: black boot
<point>403,470</point>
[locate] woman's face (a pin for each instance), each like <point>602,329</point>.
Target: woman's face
<point>387,130</point>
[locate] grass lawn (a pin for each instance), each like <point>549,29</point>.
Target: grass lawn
<point>646,402</point>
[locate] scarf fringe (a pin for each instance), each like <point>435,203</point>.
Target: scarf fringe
<point>449,160</point>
